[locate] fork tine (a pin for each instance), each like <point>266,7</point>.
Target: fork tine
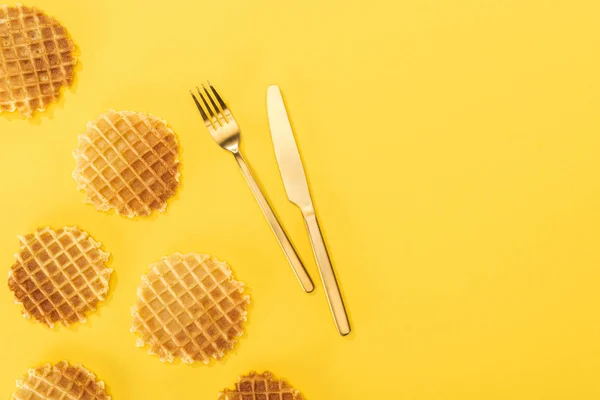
<point>213,119</point>
<point>224,107</point>
<point>218,110</point>
<point>202,112</point>
<point>218,105</point>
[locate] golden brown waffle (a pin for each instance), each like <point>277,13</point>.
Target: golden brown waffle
<point>60,382</point>
<point>127,161</point>
<point>189,307</point>
<point>36,60</point>
<point>261,387</point>
<point>59,275</point>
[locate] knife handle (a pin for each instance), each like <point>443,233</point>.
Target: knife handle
<point>332,289</point>
<point>284,241</point>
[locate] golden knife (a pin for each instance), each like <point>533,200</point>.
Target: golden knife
<point>296,186</point>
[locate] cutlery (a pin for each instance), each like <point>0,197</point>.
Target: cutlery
<point>226,132</point>
<point>296,186</point>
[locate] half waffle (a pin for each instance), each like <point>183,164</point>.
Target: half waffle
<point>59,275</point>
<point>127,161</point>
<point>189,307</point>
<point>60,382</point>
<point>36,60</point>
<point>261,387</point>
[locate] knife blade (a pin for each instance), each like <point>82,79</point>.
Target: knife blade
<point>296,186</point>
<point>286,151</point>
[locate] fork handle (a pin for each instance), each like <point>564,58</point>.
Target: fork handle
<point>332,289</point>
<point>284,241</point>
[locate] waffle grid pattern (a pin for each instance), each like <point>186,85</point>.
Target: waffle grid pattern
<point>59,275</point>
<point>36,60</point>
<point>127,161</point>
<point>60,382</point>
<point>189,307</point>
<point>261,387</point>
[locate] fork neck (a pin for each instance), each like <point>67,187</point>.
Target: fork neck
<point>231,145</point>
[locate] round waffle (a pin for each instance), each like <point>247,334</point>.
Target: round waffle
<point>60,382</point>
<point>261,387</point>
<point>59,275</point>
<point>189,307</point>
<point>127,161</point>
<point>36,60</point>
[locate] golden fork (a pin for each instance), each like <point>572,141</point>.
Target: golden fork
<point>226,132</point>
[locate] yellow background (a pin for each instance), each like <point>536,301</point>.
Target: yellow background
<point>452,149</point>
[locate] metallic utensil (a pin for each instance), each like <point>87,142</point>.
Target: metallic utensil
<point>296,186</point>
<point>226,132</point>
